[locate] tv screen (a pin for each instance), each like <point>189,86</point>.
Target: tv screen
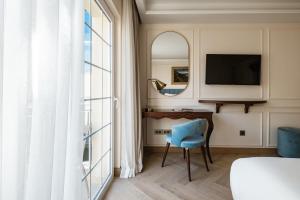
<point>233,69</point>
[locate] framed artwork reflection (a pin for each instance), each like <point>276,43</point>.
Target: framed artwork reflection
<point>180,75</point>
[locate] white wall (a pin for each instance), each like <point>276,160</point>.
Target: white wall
<point>279,45</point>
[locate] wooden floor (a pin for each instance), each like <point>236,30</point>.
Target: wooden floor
<point>171,182</point>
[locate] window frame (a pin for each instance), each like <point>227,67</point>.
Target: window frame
<point>104,186</point>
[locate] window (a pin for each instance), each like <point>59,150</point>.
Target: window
<point>97,136</point>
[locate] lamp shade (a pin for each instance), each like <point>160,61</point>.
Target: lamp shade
<point>158,84</point>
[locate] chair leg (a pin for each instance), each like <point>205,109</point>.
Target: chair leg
<point>165,154</point>
<point>204,157</point>
<point>188,164</point>
<point>208,151</point>
<point>183,153</point>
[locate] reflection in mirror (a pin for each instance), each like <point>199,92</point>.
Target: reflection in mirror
<point>170,63</point>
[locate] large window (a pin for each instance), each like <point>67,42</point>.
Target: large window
<point>97,155</point>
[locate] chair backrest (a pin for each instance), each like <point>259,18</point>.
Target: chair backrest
<point>191,128</point>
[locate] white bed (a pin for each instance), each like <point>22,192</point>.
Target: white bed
<point>264,178</point>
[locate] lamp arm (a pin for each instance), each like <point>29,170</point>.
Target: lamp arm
<point>152,79</point>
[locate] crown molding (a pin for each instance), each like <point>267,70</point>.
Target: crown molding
<point>220,11</point>
<point>168,11</point>
<point>222,5</point>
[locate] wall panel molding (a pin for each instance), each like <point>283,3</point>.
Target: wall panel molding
<point>284,45</point>
<point>234,47</point>
<point>287,123</point>
<point>281,108</point>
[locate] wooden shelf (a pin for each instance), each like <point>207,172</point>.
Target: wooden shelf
<point>220,103</point>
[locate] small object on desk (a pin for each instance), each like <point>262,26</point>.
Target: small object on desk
<point>187,110</point>
<point>182,110</point>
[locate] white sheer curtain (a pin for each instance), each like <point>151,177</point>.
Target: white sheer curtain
<point>131,137</point>
<point>41,81</point>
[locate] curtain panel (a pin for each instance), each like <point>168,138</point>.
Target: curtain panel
<point>131,134</point>
<point>41,96</point>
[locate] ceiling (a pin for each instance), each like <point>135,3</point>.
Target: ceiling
<point>218,11</point>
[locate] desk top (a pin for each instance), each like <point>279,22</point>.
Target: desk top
<point>177,115</point>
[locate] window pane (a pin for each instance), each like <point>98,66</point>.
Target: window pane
<point>106,29</point>
<point>96,17</point>
<point>106,169</point>
<point>106,111</point>
<point>87,43</point>
<point>86,185</point>
<point>106,56</point>
<point>96,164</point>
<point>96,50</point>
<point>96,179</point>
<point>96,115</point>
<point>96,82</point>
<point>87,112</point>
<point>106,84</point>
<point>106,143</point>
<point>87,11</point>
<point>86,164</point>
<point>87,79</point>
<point>96,147</point>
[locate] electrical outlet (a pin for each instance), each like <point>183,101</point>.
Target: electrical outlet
<point>242,132</point>
<point>167,131</point>
<point>158,131</point>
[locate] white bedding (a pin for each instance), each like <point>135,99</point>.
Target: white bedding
<point>264,178</point>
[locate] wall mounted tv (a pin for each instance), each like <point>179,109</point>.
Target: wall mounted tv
<point>233,69</point>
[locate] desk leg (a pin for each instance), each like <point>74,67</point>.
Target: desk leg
<point>209,131</point>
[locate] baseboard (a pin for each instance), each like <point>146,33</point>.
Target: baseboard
<point>117,172</point>
<point>220,150</point>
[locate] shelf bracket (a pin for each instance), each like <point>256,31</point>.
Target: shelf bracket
<point>218,106</point>
<point>247,107</point>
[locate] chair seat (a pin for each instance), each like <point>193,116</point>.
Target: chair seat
<point>189,142</point>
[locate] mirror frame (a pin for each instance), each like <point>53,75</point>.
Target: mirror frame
<point>189,61</point>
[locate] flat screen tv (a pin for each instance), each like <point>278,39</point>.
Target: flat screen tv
<point>233,69</point>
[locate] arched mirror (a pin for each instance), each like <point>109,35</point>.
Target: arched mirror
<point>170,63</point>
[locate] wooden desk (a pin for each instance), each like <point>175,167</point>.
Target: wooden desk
<point>187,115</point>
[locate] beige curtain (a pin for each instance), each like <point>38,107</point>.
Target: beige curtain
<point>131,136</point>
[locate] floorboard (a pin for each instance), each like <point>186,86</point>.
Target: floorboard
<point>171,182</point>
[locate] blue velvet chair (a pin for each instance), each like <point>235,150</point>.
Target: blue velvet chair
<point>187,136</point>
